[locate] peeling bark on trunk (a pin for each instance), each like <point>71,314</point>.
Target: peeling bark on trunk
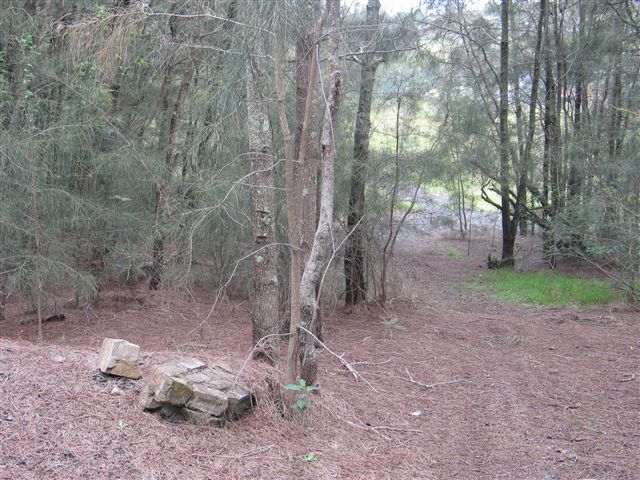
<point>317,258</point>
<point>264,298</point>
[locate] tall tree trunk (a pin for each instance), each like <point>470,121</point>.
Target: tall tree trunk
<point>354,260</point>
<point>575,178</point>
<point>293,222</point>
<point>508,232</point>
<point>162,202</point>
<point>317,259</point>
<point>519,120</point>
<point>294,193</point>
<point>308,171</point>
<point>617,106</point>
<point>264,299</point>
<point>561,68</point>
<point>523,183</point>
<point>386,253</point>
<point>550,180</point>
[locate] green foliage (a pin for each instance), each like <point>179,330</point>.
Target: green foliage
<point>302,398</point>
<point>101,11</point>
<point>86,289</point>
<point>309,457</point>
<point>549,288</point>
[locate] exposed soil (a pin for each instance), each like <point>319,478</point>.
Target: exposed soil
<point>502,391</point>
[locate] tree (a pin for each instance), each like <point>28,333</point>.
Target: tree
<point>508,227</point>
<point>308,172</point>
<point>264,298</point>
<point>317,259</point>
<point>354,259</point>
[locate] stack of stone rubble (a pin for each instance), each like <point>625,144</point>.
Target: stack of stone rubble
<point>188,390</point>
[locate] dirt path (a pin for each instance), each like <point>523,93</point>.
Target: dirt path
<point>519,392</point>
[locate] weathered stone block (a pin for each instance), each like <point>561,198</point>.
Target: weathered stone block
<point>173,391</point>
<point>208,400</point>
<point>125,368</point>
<point>188,390</point>
<point>119,357</point>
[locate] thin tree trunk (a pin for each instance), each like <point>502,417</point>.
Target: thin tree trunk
<point>162,202</point>
<point>264,298</point>
<point>561,68</point>
<point>293,221</point>
<point>575,178</point>
<point>550,197</point>
<point>294,194</point>
<point>3,299</point>
<point>354,260</point>
<point>521,164</point>
<point>386,253</point>
<point>521,198</point>
<point>508,233</point>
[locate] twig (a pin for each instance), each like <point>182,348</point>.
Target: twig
<point>395,429</point>
<point>250,452</point>
<point>372,363</point>
<point>346,364</point>
<point>428,385</point>
<point>627,377</point>
<point>254,349</point>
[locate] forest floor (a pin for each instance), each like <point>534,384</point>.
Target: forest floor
<point>500,390</point>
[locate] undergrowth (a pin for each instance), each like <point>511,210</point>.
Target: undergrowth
<point>550,288</point>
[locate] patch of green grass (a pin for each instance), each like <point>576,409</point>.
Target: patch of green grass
<point>454,252</point>
<point>403,206</point>
<point>550,288</point>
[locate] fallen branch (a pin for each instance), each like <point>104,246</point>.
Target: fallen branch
<point>428,385</point>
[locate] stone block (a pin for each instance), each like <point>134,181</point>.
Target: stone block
<point>173,390</point>
<point>119,357</point>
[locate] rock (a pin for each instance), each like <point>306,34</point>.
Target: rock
<point>188,390</point>
<point>200,418</point>
<point>119,357</point>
